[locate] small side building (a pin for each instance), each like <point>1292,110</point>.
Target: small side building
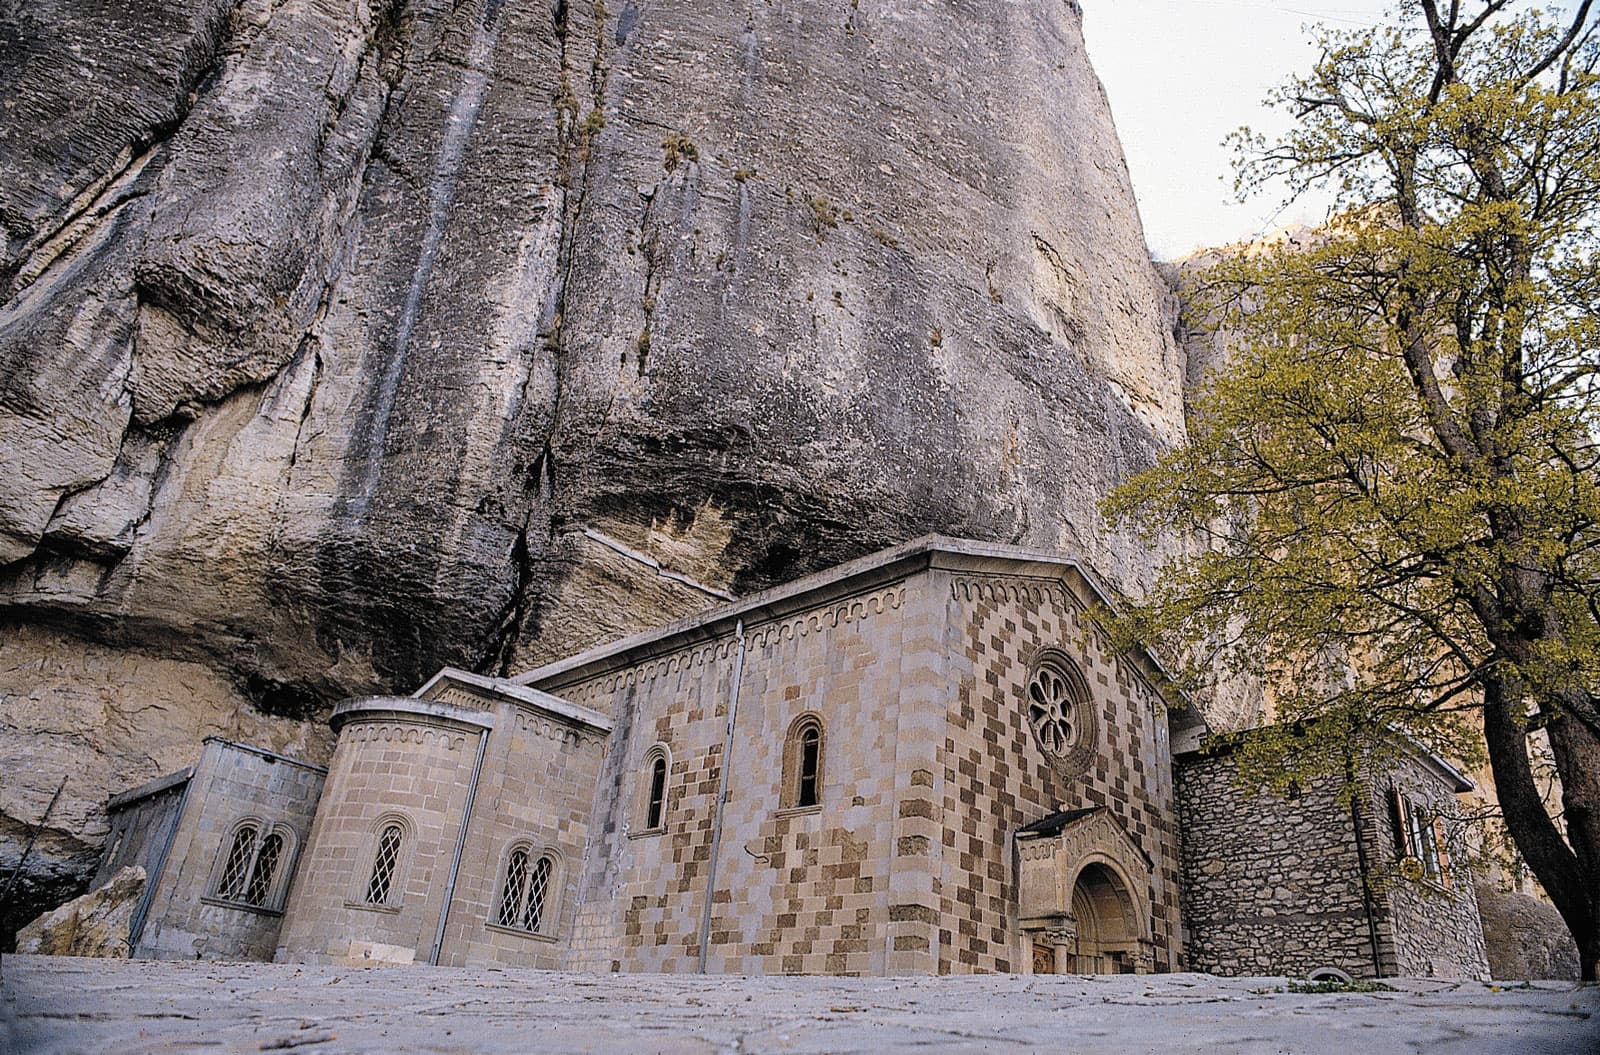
<point>1370,886</point>
<point>218,842</point>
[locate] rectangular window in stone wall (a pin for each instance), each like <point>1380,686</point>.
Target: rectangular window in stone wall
<point>1420,840</point>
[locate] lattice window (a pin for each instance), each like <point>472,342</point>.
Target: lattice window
<point>236,871</point>
<point>538,890</point>
<point>266,866</point>
<point>512,897</point>
<point>526,895</point>
<point>384,863</point>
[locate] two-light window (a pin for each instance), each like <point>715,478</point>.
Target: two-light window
<point>257,862</point>
<point>527,893</point>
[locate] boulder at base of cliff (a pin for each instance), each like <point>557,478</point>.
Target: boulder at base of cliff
<point>96,924</point>
<point>1525,937</point>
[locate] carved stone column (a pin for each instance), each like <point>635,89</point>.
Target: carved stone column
<point>1144,957</point>
<point>1064,938</point>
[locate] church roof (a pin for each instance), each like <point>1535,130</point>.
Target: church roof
<point>929,551</point>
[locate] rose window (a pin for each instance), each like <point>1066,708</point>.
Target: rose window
<point>1060,715</point>
<point>1052,710</point>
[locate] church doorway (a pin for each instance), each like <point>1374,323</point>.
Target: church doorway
<point>1108,930</point>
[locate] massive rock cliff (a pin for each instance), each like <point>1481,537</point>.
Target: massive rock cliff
<point>341,339</point>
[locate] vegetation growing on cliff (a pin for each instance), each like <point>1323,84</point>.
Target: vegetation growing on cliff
<point>1397,468</point>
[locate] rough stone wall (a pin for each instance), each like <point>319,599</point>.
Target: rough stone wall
<point>1525,937</point>
<point>797,890</point>
<point>1434,930</point>
<point>327,326</point>
<point>410,767</point>
<point>1270,885</point>
<point>186,920</point>
<point>991,777</point>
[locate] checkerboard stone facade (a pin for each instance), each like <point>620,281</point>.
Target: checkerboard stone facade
<point>933,793</point>
<point>906,865</point>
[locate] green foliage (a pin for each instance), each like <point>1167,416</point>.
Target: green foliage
<point>1349,542</point>
<point>678,149</point>
<point>1393,478</point>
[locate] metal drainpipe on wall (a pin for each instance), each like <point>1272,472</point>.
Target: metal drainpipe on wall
<point>461,842</point>
<point>722,798</point>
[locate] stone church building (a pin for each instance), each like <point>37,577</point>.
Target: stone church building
<point>927,761</point>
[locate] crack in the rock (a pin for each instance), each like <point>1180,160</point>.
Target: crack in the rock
<point>574,146</point>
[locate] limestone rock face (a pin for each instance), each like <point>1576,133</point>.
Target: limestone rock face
<point>341,339</point>
<point>1525,937</point>
<point>93,924</point>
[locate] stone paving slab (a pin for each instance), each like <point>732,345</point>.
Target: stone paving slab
<point>56,1006</point>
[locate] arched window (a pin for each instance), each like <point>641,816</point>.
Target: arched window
<point>264,869</point>
<point>803,756</point>
<point>385,860</point>
<point>654,787</point>
<point>254,862</point>
<point>658,792</point>
<point>527,893</point>
<point>236,872</point>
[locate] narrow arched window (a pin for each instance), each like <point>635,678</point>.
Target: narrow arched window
<point>514,892</point>
<point>385,861</point>
<point>653,791</point>
<point>538,891</point>
<point>658,793</point>
<point>810,766</point>
<point>236,871</point>
<point>264,869</point>
<point>804,752</point>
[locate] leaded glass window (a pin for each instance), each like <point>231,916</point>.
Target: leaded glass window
<point>384,863</point>
<point>266,866</point>
<point>538,890</point>
<point>516,889</point>
<point>236,871</point>
<point>526,894</point>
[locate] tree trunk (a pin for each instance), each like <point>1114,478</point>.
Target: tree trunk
<point>1577,756</point>
<point>1572,887</point>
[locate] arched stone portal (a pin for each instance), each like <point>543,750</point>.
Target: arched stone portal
<point>1107,935</point>
<point>1084,893</point>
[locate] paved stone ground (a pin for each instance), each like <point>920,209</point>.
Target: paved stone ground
<point>61,1006</point>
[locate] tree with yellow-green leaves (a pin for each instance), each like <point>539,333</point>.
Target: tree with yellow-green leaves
<point>1395,471</point>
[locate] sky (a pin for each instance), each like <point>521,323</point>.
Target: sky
<point>1181,75</point>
